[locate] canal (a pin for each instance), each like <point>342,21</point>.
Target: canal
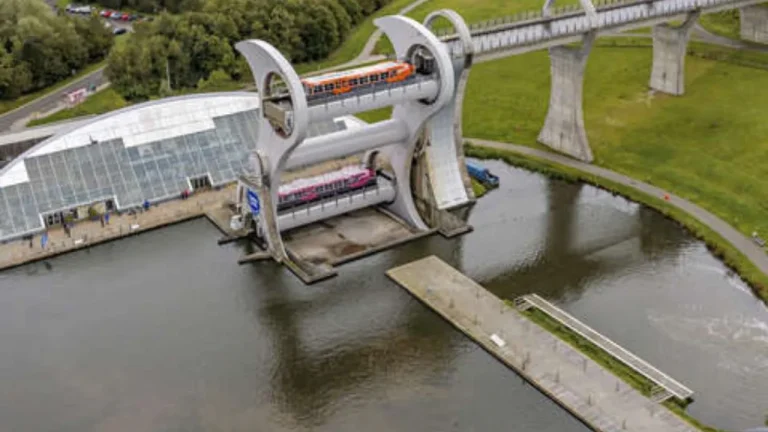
<point>164,331</point>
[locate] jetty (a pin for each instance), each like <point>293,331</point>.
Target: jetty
<point>584,388</point>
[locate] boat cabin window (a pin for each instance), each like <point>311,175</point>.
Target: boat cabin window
<point>328,87</point>
<point>384,76</point>
<point>353,81</point>
<point>374,77</point>
<point>364,80</point>
<point>318,89</point>
<point>392,73</point>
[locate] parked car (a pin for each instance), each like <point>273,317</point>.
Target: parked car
<point>125,17</point>
<point>119,31</point>
<point>115,15</point>
<point>79,9</point>
<point>105,13</point>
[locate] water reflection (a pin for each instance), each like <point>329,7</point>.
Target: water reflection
<point>164,331</point>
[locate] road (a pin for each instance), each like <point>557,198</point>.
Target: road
<point>741,242</point>
<point>49,101</point>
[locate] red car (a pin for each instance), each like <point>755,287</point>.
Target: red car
<point>106,13</point>
<point>125,17</point>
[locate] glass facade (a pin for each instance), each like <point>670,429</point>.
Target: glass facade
<point>108,170</point>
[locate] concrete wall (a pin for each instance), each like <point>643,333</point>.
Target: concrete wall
<point>754,23</point>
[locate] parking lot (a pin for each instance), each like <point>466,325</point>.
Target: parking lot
<point>119,21</point>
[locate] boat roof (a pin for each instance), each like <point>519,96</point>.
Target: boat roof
<point>359,71</point>
<point>329,177</point>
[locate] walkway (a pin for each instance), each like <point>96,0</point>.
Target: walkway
<point>672,387</point>
<point>89,233</point>
<point>741,242</point>
<point>366,55</point>
<point>587,390</point>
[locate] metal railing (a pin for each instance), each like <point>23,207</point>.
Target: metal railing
<point>636,363</point>
<point>533,27</point>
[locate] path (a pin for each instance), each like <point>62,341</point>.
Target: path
<point>89,233</point>
<point>741,242</point>
<point>703,35</point>
<point>367,53</point>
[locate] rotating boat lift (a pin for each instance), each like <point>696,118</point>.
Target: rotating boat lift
<point>429,190</point>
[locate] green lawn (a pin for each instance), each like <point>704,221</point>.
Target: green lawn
<point>99,103</point>
<point>708,146</point>
<point>109,100</point>
<point>475,11</point>
<point>724,23</point>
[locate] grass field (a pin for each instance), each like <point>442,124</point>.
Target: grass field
<point>724,23</point>
<point>707,146</point>
<point>99,103</point>
<point>109,100</point>
<point>475,11</point>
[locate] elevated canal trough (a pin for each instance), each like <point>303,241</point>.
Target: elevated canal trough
<point>587,390</point>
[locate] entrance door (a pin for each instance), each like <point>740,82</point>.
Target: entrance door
<point>201,182</point>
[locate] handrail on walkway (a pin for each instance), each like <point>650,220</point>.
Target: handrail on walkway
<point>637,364</point>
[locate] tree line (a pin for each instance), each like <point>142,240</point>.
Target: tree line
<point>187,50</point>
<point>39,48</point>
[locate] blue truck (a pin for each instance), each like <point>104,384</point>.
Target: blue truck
<point>481,174</point>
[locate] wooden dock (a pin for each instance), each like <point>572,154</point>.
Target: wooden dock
<point>581,386</point>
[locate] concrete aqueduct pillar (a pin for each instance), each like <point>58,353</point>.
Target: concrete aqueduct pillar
<point>669,47</point>
<point>564,126</point>
<point>754,23</point>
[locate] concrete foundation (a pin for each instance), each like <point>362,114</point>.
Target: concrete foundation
<point>347,237</point>
<point>564,126</point>
<point>754,24</point>
<point>669,47</point>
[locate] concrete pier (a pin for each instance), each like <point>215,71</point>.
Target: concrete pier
<point>564,126</point>
<point>669,47</point>
<point>90,233</point>
<point>581,386</point>
<point>754,23</point>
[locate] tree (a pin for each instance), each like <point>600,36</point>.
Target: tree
<point>97,38</point>
<point>319,31</point>
<point>218,80</point>
<point>196,48</point>
<point>39,48</point>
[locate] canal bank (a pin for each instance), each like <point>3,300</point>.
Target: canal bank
<point>737,251</point>
<point>88,233</point>
<point>166,331</point>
